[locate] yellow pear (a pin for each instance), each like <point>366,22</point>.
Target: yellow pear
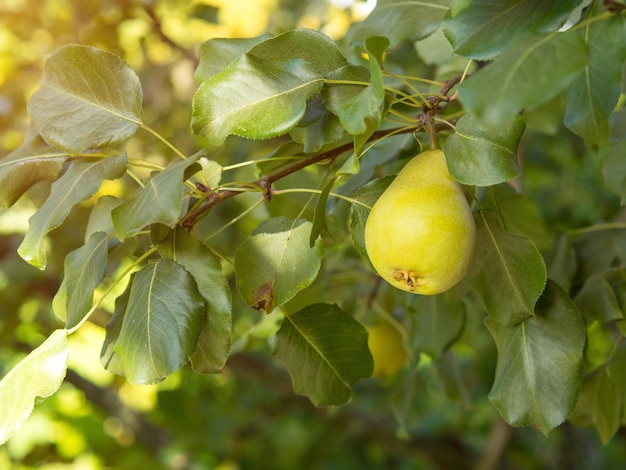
<point>387,349</point>
<point>420,234</point>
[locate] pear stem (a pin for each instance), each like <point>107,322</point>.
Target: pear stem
<point>432,134</point>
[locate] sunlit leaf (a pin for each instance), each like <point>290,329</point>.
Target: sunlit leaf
<point>79,182</point>
<point>276,262</point>
<point>214,341</point>
<point>88,99</point>
<point>325,351</point>
<point>508,272</point>
<point>32,162</point>
<point>161,323</point>
<point>159,201</point>
<point>217,53</point>
<point>312,46</point>
<point>364,111</point>
<point>100,219</point>
<point>390,18</point>
<point>479,156</point>
<point>254,98</point>
<point>538,375</point>
<point>528,73</point>
<point>38,375</point>
<point>366,197</point>
<point>483,29</point>
<point>592,96</point>
<point>84,270</point>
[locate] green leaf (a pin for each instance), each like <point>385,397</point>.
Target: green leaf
<point>100,219</point>
<point>562,262</point>
<point>479,156</point>
<point>88,99</point>
<point>364,111</point>
<point>319,217</point>
<point>312,46</point>
<point>254,98</point>
<point>38,375</point>
<point>538,375</point>
<point>79,182</point>
<point>318,127</point>
<point>484,29</point>
<point>214,341</point>
<point>401,21</point>
<point>615,168</point>
<point>519,214</point>
<point>528,73</point>
<point>159,201</point>
<point>508,272</point>
<point>161,323</point>
<point>109,359</point>
<point>438,323</point>
<point>217,53</point>
<point>84,270</point>
<point>603,296</point>
<point>32,162</point>
<point>592,96</point>
<point>367,195</point>
<point>600,404</point>
<point>325,351</point>
<point>276,262</point>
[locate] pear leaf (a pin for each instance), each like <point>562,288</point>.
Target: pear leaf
<point>479,156</point>
<point>508,272</point>
<point>38,375</point>
<point>592,96</point>
<point>199,261</point>
<point>526,74</point>
<point>159,201</point>
<point>254,98</point>
<point>158,330</point>
<point>485,28</point>
<point>390,18</point>
<point>325,351</point>
<point>365,198</point>
<point>276,262</point>
<point>539,370</point>
<point>88,99</point>
<point>79,182</point>
<point>84,270</point>
<point>32,162</point>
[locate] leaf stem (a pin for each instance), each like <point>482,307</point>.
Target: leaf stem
<point>171,146</point>
<point>278,192</point>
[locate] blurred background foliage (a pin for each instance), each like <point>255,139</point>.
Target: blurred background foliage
<point>430,415</point>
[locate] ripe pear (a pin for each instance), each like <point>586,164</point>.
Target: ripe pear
<point>420,233</point>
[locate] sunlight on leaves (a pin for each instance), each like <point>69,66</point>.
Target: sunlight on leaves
<point>38,375</point>
<point>88,99</point>
<point>79,182</point>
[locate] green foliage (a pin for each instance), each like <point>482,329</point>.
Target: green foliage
<point>243,232</point>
